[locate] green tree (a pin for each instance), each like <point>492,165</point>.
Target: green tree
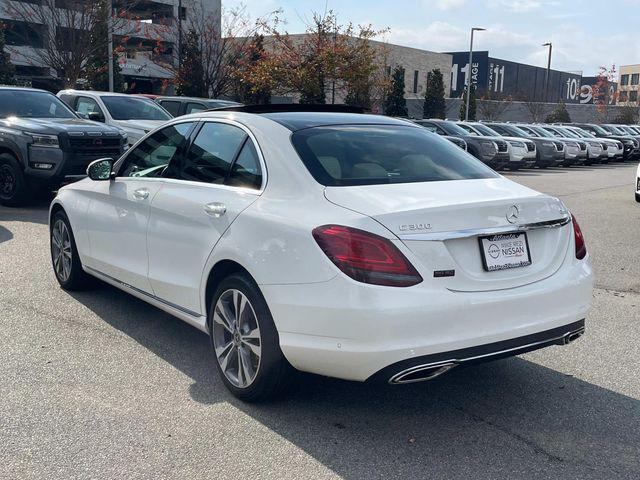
<point>559,115</point>
<point>434,104</point>
<point>395,105</point>
<point>7,70</point>
<point>472,104</point>
<point>96,69</point>
<point>190,75</point>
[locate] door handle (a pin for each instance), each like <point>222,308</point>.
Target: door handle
<point>141,194</point>
<point>215,209</point>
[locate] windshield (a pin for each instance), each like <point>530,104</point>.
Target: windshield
<point>567,133</point>
<point>614,130</point>
<point>530,131</point>
<point>347,155</point>
<point>541,132</point>
<point>452,129</point>
<point>599,129</point>
<point>515,131</point>
<point>486,131</point>
<point>470,130</point>
<point>31,104</point>
<point>134,108</point>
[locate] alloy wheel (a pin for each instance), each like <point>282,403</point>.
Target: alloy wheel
<point>7,181</point>
<point>236,338</point>
<point>61,250</point>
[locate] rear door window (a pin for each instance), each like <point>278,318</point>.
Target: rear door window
<point>212,153</point>
<point>171,106</point>
<point>346,155</point>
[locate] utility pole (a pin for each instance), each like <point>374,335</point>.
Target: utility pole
<point>179,33</point>
<point>546,83</point>
<point>110,42</point>
<point>469,72</point>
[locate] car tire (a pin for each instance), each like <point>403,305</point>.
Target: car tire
<point>65,260</point>
<point>14,189</point>
<point>250,376</point>
<point>638,197</point>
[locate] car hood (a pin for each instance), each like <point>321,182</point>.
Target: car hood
<point>54,126</point>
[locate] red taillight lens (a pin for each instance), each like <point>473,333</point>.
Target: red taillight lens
<point>581,247</point>
<point>366,257</point>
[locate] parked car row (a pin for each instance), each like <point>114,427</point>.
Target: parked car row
<point>515,146</point>
<point>46,140</point>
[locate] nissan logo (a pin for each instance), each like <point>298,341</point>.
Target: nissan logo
<point>512,214</point>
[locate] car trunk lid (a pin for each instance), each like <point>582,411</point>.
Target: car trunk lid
<point>441,223</point>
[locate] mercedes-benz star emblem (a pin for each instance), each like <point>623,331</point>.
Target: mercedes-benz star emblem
<point>512,214</point>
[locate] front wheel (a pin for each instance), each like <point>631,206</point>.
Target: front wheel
<point>245,341</point>
<point>13,186</point>
<point>64,255</point>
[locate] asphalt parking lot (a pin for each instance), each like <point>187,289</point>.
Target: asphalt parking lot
<point>100,385</point>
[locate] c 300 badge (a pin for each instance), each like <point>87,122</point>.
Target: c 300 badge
<point>415,227</point>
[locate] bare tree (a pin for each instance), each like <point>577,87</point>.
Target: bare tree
<point>65,27</point>
<point>537,110</point>
<point>222,48</point>
<point>491,109</point>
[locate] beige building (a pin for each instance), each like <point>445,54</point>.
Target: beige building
<point>416,63</point>
<point>629,85</point>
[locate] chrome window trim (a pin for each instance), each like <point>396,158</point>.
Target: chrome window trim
<point>473,232</point>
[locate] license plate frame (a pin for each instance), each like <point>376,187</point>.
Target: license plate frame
<point>505,251</point>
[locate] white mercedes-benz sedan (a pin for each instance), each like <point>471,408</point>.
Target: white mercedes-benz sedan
<point>349,245</point>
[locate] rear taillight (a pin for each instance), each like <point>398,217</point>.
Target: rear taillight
<point>366,257</point>
<point>581,248</point>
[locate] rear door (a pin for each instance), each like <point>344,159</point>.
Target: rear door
<point>220,176</point>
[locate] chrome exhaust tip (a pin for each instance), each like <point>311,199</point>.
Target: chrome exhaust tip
<point>573,336</point>
<point>421,373</point>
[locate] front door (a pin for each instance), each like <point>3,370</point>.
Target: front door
<point>118,213</point>
<point>219,178</point>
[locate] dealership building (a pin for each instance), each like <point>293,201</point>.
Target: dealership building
<point>146,54</point>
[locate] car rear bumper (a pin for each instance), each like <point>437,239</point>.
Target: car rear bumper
<point>431,366</point>
<point>349,330</point>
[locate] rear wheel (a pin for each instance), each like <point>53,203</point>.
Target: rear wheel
<point>245,341</point>
<point>64,255</point>
<point>638,197</point>
<point>13,186</point>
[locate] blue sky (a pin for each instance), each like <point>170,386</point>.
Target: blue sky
<point>585,34</point>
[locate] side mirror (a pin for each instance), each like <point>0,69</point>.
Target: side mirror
<point>95,116</point>
<point>100,170</point>
<point>83,115</point>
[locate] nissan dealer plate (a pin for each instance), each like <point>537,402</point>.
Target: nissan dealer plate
<point>500,252</point>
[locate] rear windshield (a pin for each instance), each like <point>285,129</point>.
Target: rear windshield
<point>30,104</point>
<point>133,108</point>
<point>347,155</point>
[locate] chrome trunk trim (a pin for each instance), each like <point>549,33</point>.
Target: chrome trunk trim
<point>474,232</point>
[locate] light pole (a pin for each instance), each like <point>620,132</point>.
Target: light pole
<point>470,69</point>
<point>179,33</point>
<point>110,42</point>
<point>546,83</point>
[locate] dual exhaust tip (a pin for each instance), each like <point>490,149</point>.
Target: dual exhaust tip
<point>423,373</point>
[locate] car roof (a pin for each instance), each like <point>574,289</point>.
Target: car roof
<point>23,89</point>
<point>195,99</point>
<point>300,120</point>
<point>72,91</point>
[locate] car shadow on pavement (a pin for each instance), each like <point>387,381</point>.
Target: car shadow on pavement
<point>508,419</point>
<point>38,213</point>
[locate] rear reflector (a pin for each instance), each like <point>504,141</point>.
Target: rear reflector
<point>581,247</point>
<point>366,257</point>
